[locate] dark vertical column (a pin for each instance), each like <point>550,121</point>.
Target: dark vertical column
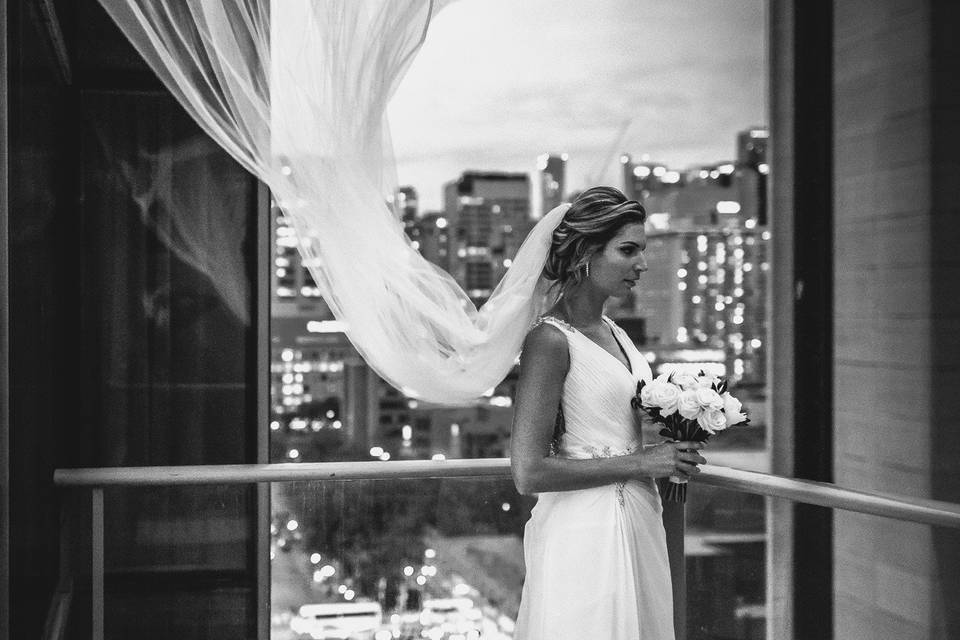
<point>674,521</point>
<point>944,136</point>
<point>813,313</point>
<point>261,313</point>
<point>4,351</point>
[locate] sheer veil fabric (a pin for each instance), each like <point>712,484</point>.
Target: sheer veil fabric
<point>296,91</point>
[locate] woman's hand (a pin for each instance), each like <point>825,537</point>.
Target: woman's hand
<point>670,459</point>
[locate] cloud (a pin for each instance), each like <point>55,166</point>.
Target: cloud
<point>498,82</point>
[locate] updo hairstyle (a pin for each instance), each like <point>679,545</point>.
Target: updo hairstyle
<point>595,216</point>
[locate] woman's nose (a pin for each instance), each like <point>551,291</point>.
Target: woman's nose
<point>641,265</point>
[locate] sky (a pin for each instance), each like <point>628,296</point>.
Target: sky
<point>499,82</point>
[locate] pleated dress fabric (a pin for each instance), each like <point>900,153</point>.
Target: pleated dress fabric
<point>596,559</point>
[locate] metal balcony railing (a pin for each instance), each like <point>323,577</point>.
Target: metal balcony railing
<point>824,494</point>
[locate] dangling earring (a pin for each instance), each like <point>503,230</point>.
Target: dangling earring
<point>588,269</point>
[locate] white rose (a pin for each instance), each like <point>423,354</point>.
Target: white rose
<point>709,399</point>
<point>685,381</point>
<point>712,420</point>
<point>706,381</point>
<point>646,393</point>
<point>732,409</point>
<point>687,404</point>
<point>660,394</point>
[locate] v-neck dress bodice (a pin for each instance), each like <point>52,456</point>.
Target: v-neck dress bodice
<point>596,394</point>
<point>596,559</point>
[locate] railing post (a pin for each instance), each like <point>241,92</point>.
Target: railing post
<point>674,523</point>
<point>96,569</point>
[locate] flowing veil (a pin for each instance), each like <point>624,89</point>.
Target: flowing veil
<point>296,91</point>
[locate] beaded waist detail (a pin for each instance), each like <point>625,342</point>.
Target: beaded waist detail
<point>592,451</point>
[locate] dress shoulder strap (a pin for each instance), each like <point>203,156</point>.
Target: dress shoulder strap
<point>613,325</point>
<point>557,322</point>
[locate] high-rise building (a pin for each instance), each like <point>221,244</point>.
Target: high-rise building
<point>725,194</point>
<point>431,236</point>
<point>489,213</point>
<point>407,203</point>
<point>706,289</point>
<point>552,171</point>
<point>752,169</point>
<point>318,381</point>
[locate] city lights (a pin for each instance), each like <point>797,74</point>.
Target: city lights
<point>315,558</point>
<point>326,326</point>
<point>728,207</point>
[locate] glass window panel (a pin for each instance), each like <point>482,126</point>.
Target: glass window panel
<point>725,546</point>
<point>404,545</point>
<point>176,562</point>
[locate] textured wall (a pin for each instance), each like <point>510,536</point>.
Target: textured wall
<point>896,378</point>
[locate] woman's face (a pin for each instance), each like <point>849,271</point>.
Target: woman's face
<point>616,267</point>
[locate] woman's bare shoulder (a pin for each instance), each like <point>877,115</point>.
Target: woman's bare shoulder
<point>545,341</point>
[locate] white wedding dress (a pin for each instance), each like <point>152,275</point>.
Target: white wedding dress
<point>596,559</point>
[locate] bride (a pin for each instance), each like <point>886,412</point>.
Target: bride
<point>594,547</point>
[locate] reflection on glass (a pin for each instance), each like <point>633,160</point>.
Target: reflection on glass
<point>177,562</point>
<point>725,548</point>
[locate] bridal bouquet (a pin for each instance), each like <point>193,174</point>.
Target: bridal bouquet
<point>691,407</point>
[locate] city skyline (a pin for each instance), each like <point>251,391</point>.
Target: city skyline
<point>492,90</point>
